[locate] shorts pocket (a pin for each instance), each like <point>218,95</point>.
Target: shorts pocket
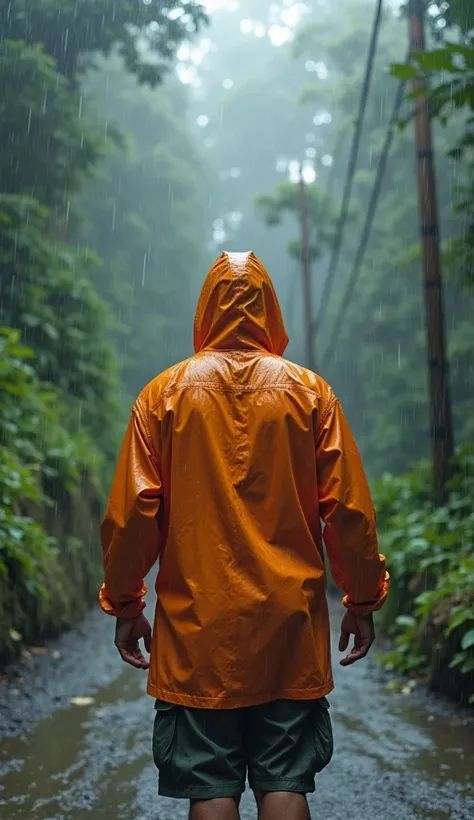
<point>323,737</point>
<point>164,732</point>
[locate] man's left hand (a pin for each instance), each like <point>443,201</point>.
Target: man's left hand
<point>362,627</point>
<point>128,633</point>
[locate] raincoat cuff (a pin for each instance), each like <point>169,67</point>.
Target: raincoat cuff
<point>367,607</point>
<point>127,610</point>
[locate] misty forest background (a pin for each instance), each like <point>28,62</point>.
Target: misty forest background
<point>138,142</point>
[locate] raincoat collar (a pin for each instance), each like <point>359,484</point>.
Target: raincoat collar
<point>238,308</point>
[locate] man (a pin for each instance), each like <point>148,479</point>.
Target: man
<point>230,461</point>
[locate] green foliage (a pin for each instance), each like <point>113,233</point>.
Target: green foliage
<point>32,422</point>
<point>407,657</point>
<point>430,553</point>
<point>46,575</point>
<point>39,114</point>
<point>72,31</point>
<point>34,449</point>
<point>449,71</point>
<point>45,293</point>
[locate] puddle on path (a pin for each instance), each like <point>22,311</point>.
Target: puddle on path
<point>451,751</point>
<point>38,773</point>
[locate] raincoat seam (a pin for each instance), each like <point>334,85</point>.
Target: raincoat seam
<point>139,411</point>
<point>329,407</point>
<point>234,388</point>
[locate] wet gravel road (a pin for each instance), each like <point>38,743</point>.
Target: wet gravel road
<point>397,757</point>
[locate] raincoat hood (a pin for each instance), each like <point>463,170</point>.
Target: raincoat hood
<point>238,308</point>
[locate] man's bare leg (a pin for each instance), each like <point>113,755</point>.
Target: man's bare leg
<point>222,808</point>
<point>282,806</point>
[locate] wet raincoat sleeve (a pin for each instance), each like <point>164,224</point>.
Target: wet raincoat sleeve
<point>346,509</point>
<point>130,533</point>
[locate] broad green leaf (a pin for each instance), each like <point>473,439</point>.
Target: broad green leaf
<point>468,666</point>
<point>403,71</point>
<point>468,639</point>
<point>436,60</point>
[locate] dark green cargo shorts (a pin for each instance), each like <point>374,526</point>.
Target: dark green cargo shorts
<point>207,753</point>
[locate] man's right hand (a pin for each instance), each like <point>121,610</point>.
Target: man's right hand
<point>362,627</point>
<point>128,633</point>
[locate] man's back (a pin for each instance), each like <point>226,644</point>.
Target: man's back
<point>236,455</point>
<point>242,563</point>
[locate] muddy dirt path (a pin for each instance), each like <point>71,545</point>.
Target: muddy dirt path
<point>397,757</point>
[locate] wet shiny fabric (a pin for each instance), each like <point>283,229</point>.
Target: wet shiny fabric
<point>229,463</point>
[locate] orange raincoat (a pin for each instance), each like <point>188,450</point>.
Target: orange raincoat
<point>230,461</point>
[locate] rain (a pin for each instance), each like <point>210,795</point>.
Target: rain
<point>140,140</point>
